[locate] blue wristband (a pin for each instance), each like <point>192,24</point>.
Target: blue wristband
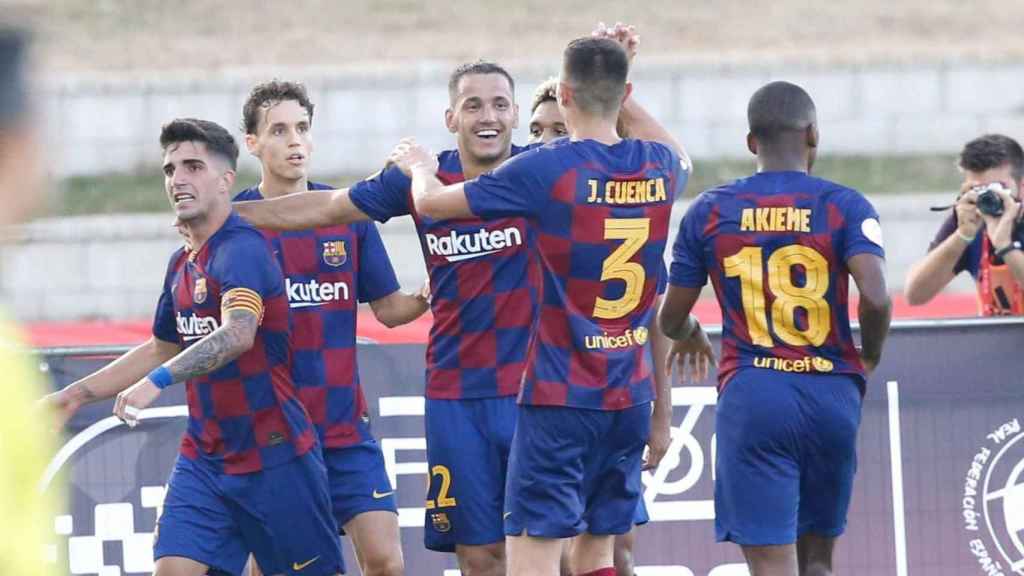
<point>161,377</point>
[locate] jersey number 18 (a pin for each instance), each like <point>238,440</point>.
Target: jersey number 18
<point>748,266</point>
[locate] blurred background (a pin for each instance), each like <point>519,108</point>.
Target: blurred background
<point>900,87</point>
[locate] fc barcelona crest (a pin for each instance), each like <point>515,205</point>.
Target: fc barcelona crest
<point>334,253</point>
<point>199,293</point>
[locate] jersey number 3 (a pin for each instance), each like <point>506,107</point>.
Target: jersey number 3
<point>617,266</point>
<point>748,266</point>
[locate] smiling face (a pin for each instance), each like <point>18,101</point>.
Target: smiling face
<point>197,183</point>
<point>282,141</point>
<point>482,116</point>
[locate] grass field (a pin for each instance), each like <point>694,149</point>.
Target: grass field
<point>144,192</point>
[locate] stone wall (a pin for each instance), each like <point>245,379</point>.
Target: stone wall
<point>103,124</point>
<point>112,267</point>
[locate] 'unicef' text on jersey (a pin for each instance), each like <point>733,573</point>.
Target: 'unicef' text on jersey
<point>456,246</point>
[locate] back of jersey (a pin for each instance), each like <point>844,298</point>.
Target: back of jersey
<point>776,247</point>
<point>600,213</point>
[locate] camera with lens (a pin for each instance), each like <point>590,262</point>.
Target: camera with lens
<point>989,201</point>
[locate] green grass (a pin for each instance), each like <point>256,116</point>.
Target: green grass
<point>143,192</point>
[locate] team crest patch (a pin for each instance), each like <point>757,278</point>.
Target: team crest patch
<point>199,293</point>
<point>440,521</point>
<point>334,253</point>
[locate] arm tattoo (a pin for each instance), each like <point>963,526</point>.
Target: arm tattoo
<point>222,346</point>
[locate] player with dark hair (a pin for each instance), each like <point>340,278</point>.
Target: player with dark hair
<point>483,299</point>
<point>790,382</point>
<point>599,208</point>
<point>248,477</point>
<point>546,122</point>
<point>352,263</point>
<point>994,259</point>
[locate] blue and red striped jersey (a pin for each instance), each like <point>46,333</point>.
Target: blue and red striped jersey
<point>327,271</point>
<point>483,295</point>
<point>776,246</point>
<point>244,416</point>
<point>601,216</point>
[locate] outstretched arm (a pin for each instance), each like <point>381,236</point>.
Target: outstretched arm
<point>430,197</point>
<point>112,378</point>
<point>303,210</point>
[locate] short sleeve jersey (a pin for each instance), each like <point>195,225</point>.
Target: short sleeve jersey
<point>483,286</point>
<point>326,272</point>
<point>776,247</point>
<point>244,416</point>
<point>601,216</point>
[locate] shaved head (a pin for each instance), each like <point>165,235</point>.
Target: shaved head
<point>779,108</point>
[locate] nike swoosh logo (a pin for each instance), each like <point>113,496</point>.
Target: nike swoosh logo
<point>305,304</point>
<point>380,495</point>
<point>296,566</point>
<point>461,257</point>
<point>506,515</point>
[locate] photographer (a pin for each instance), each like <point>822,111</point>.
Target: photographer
<point>984,234</point>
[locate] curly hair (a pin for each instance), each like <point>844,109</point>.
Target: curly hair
<point>267,94</point>
<point>546,92</point>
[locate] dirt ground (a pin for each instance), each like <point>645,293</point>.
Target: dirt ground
<point>147,35</point>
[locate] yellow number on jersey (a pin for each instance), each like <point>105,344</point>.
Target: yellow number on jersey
<point>635,232</point>
<point>747,266</point>
<point>443,500</point>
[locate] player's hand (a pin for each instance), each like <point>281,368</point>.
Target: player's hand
<point>694,356</point>
<point>659,440</point>
<point>408,155</point>
<point>869,363</point>
<point>424,292</point>
<point>59,406</point>
<point>1000,228</point>
<point>621,33</point>
<point>135,399</point>
<point>968,218</point>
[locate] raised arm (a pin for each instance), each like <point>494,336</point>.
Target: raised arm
<point>301,211</point>
<point>634,120</point>
<point>931,274</point>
